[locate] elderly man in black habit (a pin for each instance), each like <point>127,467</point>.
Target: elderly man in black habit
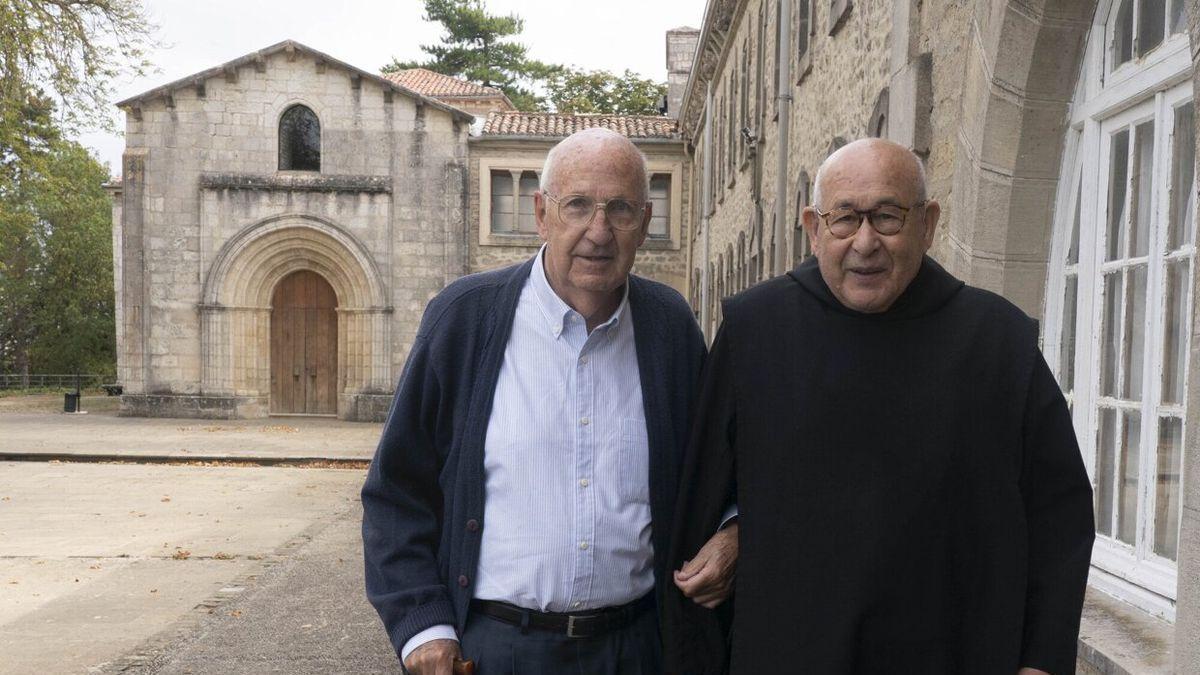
<point>911,495</point>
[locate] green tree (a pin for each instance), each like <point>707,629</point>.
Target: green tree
<point>73,319</point>
<point>478,46</point>
<point>599,91</point>
<point>56,290</point>
<point>74,48</point>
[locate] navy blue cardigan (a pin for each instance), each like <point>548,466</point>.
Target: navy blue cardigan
<point>423,501</point>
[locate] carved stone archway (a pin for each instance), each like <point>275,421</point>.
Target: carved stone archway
<point>235,312</point>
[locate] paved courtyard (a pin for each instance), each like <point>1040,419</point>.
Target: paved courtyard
<point>188,567</point>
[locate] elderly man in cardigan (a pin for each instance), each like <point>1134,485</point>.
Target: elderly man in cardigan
<point>518,510</point>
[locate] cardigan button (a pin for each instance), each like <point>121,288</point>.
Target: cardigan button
<point>463,580</point>
<point>472,525</point>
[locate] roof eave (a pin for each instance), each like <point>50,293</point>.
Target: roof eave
<point>196,78</point>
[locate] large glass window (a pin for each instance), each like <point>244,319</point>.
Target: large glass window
<point>1117,317</point>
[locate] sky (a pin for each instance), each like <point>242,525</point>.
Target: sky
<point>198,34</point>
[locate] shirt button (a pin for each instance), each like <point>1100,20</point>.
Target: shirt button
<point>577,604</point>
<point>583,545</point>
<point>583,482</point>
<point>472,525</point>
<point>583,360</point>
<point>463,580</point>
<point>585,421</point>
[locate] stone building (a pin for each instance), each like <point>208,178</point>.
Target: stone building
<point>1059,137</point>
<point>284,218</point>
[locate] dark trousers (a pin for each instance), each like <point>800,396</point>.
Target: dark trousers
<point>499,648</point>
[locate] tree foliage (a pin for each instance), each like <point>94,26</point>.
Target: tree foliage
<point>72,48</point>
<point>599,91</point>
<point>56,283</point>
<point>478,46</point>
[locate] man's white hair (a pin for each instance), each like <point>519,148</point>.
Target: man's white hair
<point>922,195</point>
<point>595,135</point>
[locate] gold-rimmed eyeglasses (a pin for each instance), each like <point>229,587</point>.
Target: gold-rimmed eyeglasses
<point>580,211</point>
<point>887,219</point>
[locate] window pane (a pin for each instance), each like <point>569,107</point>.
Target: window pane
<point>1127,488</point>
<point>1143,186</point>
<point>1122,35</point>
<point>1178,17</point>
<point>1106,454</point>
<point>1066,364</point>
<point>526,223</point>
<point>1113,286</point>
<point>1175,331</point>
<point>502,201</point>
<point>1166,501</point>
<point>1183,171</point>
<point>1073,250</point>
<point>802,30</point>
<point>1118,175</point>
<point>660,198</point>
<point>1135,336</point>
<point>299,140</point>
<point>1151,22</point>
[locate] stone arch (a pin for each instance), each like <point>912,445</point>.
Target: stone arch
<point>877,126</point>
<point>1023,59</point>
<point>236,307</point>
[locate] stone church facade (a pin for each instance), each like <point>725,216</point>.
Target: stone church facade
<point>1059,138</point>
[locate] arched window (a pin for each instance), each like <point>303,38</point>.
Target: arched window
<point>1119,288</point>
<point>299,140</point>
<point>801,247</point>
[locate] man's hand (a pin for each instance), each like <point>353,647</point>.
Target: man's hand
<point>435,657</point>
<point>708,578</point>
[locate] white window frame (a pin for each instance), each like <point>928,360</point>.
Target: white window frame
<point>1149,88</point>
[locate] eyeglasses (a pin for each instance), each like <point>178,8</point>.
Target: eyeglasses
<point>887,219</point>
<point>580,211</point>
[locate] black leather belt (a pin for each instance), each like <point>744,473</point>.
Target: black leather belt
<point>590,623</point>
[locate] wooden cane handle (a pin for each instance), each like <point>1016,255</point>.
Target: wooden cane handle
<point>463,667</point>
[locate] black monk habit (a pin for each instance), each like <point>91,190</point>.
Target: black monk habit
<point>911,496</point>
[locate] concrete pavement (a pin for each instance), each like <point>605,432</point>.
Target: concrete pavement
<point>106,565</point>
<point>304,616</point>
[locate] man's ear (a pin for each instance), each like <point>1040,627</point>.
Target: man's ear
<point>539,214</point>
<point>933,212</point>
<point>812,227</point>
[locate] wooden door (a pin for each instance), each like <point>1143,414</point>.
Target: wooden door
<point>304,346</point>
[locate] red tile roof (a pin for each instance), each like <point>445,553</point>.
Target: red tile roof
<point>561,124</point>
<point>429,83</point>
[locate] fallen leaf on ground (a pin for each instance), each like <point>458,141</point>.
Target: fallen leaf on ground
<point>181,554</point>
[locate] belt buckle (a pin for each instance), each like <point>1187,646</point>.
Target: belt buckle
<point>571,627</point>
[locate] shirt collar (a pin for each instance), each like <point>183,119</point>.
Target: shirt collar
<point>555,310</point>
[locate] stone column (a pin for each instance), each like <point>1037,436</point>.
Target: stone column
<point>216,366</point>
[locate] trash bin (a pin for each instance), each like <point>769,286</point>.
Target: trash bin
<point>71,402</point>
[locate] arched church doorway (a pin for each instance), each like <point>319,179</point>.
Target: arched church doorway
<point>304,346</point>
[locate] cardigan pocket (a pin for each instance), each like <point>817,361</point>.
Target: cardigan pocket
<point>635,461</point>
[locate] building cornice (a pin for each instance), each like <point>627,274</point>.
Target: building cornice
<point>719,21</point>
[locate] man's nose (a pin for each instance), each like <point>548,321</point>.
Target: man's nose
<point>865,239</point>
<point>599,230</point>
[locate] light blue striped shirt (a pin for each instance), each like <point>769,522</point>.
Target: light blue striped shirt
<point>566,523</point>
